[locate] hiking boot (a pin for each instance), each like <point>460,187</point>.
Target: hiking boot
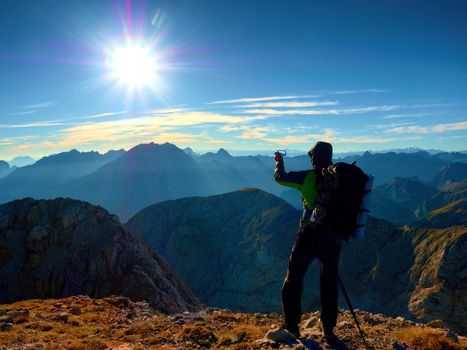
<point>330,338</point>
<point>335,343</point>
<point>326,332</point>
<point>282,335</point>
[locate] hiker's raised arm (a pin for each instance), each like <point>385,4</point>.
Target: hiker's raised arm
<point>292,179</point>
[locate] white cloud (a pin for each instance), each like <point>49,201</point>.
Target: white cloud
<point>406,115</point>
<point>39,105</point>
<point>292,104</point>
<point>361,91</point>
<point>33,125</point>
<point>100,115</point>
<point>428,129</point>
<point>170,110</point>
<point>256,99</point>
<point>229,128</point>
<point>23,113</point>
<point>254,132</point>
<point>387,126</point>
<point>126,131</point>
<point>342,111</point>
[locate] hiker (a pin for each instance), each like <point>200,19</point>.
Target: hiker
<point>313,239</point>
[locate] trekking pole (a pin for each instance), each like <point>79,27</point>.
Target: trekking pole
<point>353,313</point>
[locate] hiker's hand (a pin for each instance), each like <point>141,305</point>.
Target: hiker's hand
<point>278,157</point>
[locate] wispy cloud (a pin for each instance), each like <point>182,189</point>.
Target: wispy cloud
<point>254,132</point>
<point>433,105</point>
<point>428,129</point>
<point>229,128</point>
<point>100,115</point>
<point>39,105</point>
<point>406,115</point>
<point>198,117</point>
<point>386,126</point>
<point>23,113</point>
<point>361,91</point>
<point>170,110</point>
<point>292,104</point>
<point>146,128</point>
<point>33,125</point>
<point>257,99</point>
<point>329,135</point>
<point>342,111</point>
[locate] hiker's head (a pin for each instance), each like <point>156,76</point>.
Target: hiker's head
<point>321,154</point>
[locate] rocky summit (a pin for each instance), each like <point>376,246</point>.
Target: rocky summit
<point>117,323</point>
<point>63,247</point>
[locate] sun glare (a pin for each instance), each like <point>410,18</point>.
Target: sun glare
<point>134,66</point>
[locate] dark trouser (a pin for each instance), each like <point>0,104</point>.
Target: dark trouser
<point>310,242</point>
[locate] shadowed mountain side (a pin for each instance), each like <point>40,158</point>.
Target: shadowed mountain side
<point>454,213</point>
<point>5,169</point>
<point>227,173</point>
<point>231,249</point>
<point>398,200</point>
<point>454,172</point>
<point>447,208</point>
<point>385,166</point>
<point>63,247</point>
<point>47,177</point>
<point>146,174</point>
<point>243,239</point>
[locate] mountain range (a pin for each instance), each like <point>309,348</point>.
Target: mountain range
<point>125,182</point>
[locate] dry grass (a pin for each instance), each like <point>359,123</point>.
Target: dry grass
<point>427,339</point>
<point>101,325</point>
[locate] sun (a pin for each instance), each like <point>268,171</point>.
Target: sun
<point>133,65</point>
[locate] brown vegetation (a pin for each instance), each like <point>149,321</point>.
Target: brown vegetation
<point>82,323</point>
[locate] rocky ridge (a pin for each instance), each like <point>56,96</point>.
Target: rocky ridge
<point>63,247</point>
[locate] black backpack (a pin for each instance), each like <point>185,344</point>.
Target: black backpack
<point>340,196</point>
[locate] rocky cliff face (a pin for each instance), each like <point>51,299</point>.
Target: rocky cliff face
<point>232,251</point>
<point>62,247</point>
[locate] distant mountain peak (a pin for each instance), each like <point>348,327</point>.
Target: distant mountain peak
<point>154,147</point>
<point>222,152</point>
<point>4,165</point>
<point>21,161</point>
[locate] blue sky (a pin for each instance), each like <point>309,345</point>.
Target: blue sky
<point>242,75</point>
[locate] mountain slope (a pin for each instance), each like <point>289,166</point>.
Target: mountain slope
<point>398,200</point>
<point>146,174</point>
<point>5,169</point>
<point>62,247</point>
<point>385,166</point>
<point>243,239</point>
<point>454,172</point>
<point>236,233</point>
<point>47,177</point>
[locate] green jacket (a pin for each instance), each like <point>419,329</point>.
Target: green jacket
<point>304,181</point>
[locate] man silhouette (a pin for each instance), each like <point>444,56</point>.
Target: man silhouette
<point>313,240</point>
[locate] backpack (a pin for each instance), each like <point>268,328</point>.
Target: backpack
<point>340,192</point>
